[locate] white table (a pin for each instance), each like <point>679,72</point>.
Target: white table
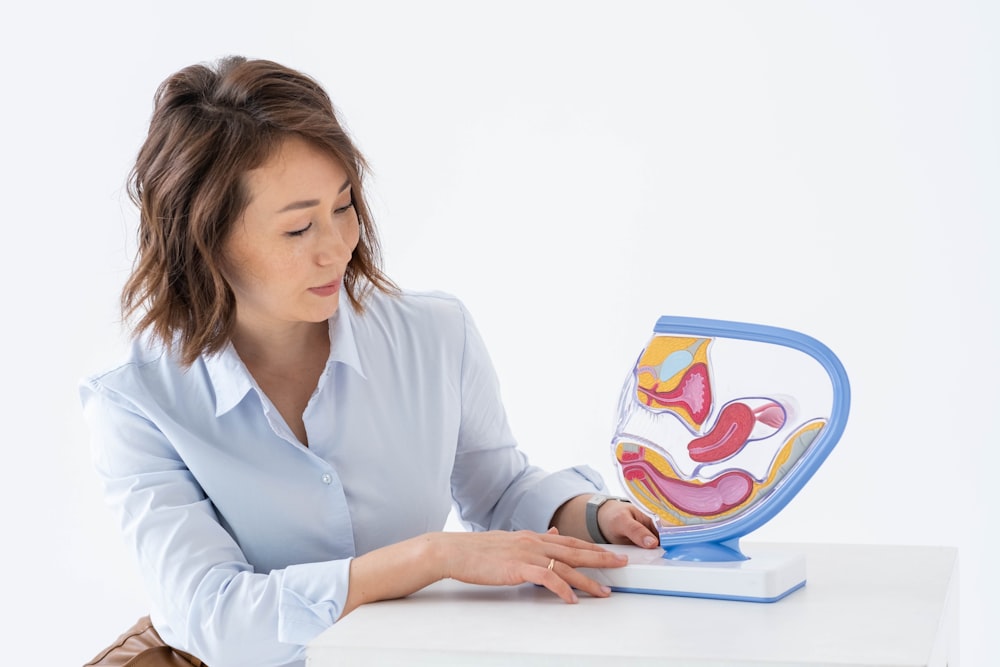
<point>878,606</point>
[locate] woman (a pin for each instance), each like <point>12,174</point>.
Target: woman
<point>290,430</point>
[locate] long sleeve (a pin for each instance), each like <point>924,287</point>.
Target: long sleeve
<point>243,535</point>
<point>212,600</point>
<point>493,484</point>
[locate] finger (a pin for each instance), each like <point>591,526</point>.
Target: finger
<point>648,524</point>
<point>638,529</point>
<point>624,524</point>
<point>587,557</point>
<point>543,576</point>
<point>565,540</point>
<point>582,582</point>
<point>640,535</point>
<point>532,540</point>
<point>644,519</point>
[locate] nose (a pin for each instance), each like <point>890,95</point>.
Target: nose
<point>336,241</point>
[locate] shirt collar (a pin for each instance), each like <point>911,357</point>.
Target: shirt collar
<point>229,376</point>
<point>343,346</point>
<point>231,380</point>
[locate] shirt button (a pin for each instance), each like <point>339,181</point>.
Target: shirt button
<point>327,478</point>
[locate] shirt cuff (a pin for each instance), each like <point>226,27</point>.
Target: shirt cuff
<point>313,596</point>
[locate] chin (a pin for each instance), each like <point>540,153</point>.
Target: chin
<point>325,313</point>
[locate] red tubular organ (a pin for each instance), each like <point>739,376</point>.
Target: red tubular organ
<point>728,435</point>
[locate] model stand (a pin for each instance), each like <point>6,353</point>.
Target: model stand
<point>719,426</point>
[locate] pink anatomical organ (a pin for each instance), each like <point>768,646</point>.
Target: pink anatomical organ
<point>693,448</point>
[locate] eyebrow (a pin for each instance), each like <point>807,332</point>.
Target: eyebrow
<point>309,203</point>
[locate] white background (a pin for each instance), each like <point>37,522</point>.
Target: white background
<point>572,171</point>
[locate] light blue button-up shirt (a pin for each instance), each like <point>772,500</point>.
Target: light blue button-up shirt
<point>243,535</point>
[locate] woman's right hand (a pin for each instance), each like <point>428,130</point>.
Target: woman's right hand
<point>496,558</point>
<point>501,558</point>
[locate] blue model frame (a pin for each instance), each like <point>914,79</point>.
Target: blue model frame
<point>721,542</point>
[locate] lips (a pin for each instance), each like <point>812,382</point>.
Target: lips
<point>327,289</point>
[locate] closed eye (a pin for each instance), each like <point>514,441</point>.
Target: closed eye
<point>299,232</point>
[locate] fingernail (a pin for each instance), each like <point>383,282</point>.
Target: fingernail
<point>649,541</point>
<point>622,557</point>
<point>574,598</point>
<point>606,590</point>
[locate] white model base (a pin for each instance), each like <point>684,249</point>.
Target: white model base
<point>767,576</point>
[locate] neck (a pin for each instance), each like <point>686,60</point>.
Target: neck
<point>285,346</point>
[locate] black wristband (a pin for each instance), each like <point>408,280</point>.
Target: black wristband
<point>593,505</point>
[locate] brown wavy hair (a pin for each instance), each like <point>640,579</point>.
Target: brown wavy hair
<point>212,124</point>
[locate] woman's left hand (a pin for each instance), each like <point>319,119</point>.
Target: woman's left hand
<point>623,523</point>
<point>620,522</point>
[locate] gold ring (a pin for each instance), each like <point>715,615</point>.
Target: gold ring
<point>552,563</point>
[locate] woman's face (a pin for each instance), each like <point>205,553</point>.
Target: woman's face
<point>285,258</point>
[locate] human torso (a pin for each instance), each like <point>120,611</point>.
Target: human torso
<point>381,443</point>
